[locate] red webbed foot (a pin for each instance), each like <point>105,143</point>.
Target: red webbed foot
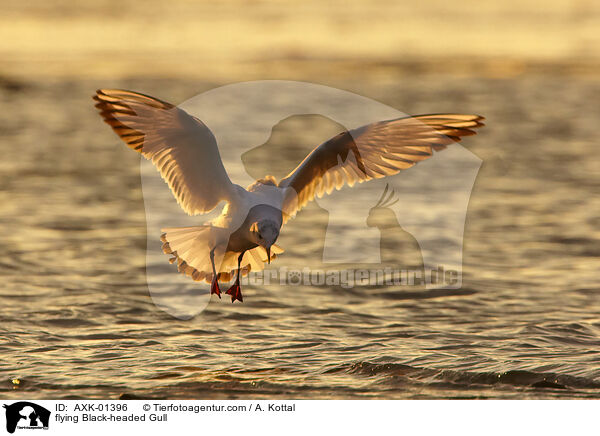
<point>236,292</point>
<point>214,288</point>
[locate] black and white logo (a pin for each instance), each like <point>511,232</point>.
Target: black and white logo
<point>26,415</point>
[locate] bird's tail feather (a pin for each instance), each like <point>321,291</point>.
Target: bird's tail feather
<point>190,247</point>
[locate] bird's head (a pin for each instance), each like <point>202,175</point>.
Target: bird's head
<point>381,215</point>
<point>265,232</point>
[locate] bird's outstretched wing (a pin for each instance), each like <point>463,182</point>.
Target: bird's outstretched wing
<point>181,147</point>
<point>370,152</point>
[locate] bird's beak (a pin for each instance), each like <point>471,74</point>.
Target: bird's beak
<point>269,254</point>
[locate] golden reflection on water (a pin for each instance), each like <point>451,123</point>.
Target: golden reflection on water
<point>77,319</point>
<point>236,39</point>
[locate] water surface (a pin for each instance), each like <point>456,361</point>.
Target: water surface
<point>77,319</point>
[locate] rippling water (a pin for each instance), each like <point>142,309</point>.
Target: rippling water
<point>77,319</point>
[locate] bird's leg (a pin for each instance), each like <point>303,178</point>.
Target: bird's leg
<point>235,291</point>
<point>214,286</point>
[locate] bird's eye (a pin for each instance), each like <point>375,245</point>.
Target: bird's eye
<point>260,236</point>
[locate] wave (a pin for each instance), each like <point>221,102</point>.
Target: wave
<point>518,378</point>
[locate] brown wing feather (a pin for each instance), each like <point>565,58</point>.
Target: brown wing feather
<point>373,151</point>
<point>182,148</point>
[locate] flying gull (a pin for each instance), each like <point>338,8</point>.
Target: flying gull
<point>243,237</point>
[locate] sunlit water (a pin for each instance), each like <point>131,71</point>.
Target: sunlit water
<point>77,319</point>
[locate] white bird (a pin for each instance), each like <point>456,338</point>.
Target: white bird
<point>243,237</point>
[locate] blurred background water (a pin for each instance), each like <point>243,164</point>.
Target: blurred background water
<point>77,319</point>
